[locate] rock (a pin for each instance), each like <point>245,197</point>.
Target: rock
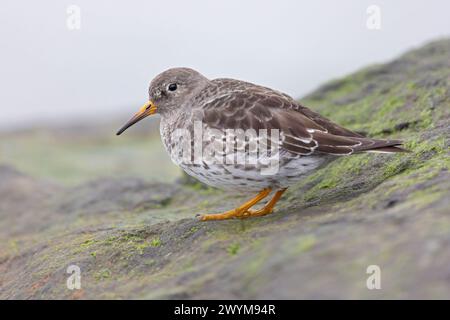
<point>137,239</point>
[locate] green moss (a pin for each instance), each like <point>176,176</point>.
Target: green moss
<point>194,229</point>
<point>393,167</point>
<point>425,162</point>
<point>305,243</point>
<point>389,106</point>
<point>423,198</point>
<point>156,242</point>
<point>233,248</point>
<point>337,171</point>
<point>13,246</point>
<point>255,265</point>
<point>141,246</point>
<point>103,274</point>
<point>328,183</point>
<point>437,146</point>
<point>426,118</point>
<point>87,243</point>
<point>424,154</point>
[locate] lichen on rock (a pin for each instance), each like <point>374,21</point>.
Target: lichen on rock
<point>133,238</point>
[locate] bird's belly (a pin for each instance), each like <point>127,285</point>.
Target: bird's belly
<point>244,174</point>
<point>246,178</point>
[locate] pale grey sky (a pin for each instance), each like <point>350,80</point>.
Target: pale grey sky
<point>51,73</point>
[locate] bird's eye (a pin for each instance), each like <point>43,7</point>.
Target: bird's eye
<point>172,87</point>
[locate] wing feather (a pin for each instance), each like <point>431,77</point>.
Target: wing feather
<point>303,131</point>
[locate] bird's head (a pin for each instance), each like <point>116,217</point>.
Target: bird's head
<point>167,92</point>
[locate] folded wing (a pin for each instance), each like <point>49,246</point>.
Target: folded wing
<point>302,131</point>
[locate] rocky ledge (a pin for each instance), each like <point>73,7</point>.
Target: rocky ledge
<point>133,238</point>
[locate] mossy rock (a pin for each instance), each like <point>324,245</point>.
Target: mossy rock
<point>133,238</point>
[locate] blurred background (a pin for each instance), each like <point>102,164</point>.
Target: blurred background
<point>72,71</point>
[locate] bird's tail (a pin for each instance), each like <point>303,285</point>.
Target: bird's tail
<point>345,145</point>
<point>391,149</point>
<point>381,146</point>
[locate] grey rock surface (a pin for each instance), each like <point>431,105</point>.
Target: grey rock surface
<point>133,238</point>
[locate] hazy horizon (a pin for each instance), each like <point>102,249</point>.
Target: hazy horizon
<point>51,73</point>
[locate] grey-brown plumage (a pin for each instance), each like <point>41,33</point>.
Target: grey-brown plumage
<point>183,96</point>
<point>228,103</point>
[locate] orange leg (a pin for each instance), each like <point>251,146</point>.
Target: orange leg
<point>268,208</point>
<point>239,211</point>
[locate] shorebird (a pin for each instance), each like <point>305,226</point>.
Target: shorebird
<point>226,110</point>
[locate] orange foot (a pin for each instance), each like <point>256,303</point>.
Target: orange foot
<point>244,210</point>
